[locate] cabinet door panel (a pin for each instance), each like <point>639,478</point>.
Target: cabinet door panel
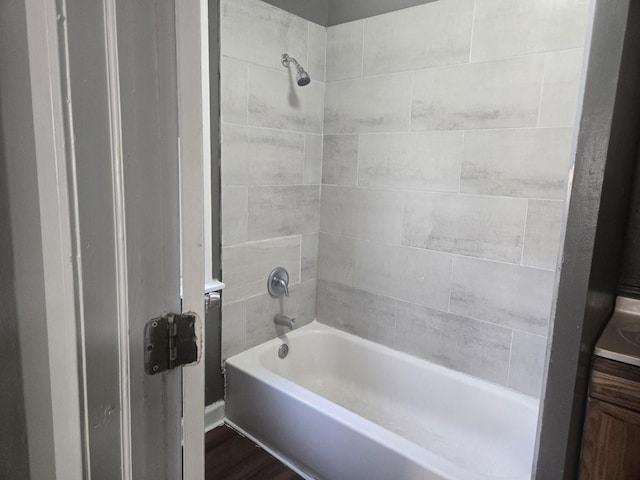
<point>611,443</point>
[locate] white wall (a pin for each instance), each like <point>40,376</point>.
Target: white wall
<point>271,167</point>
<point>448,136</point>
<point>446,143</point>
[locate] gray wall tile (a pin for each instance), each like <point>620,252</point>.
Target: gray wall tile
<point>317,52</point>
<point>519,27</point>
<point>562,75</point>
<point>254,31</point>
<point>340,160</point>
<point>234,329</point>
<point>374,104</point>
<point>235,215</point>
<point>487,227</point>
<point>283,211</point>
<point>412,161</point>
<point>312,159</point>
<point>309,261</point>
<point>344,51</point>
<point>528,354</point>
<point>434,34</point>
<point>361,313</point>
<point>542,234</point>
<point>336,258</point>
<point>245,267</point>
<point>411,274</point>
<point>456,342</point>
<point>521,163</point>
<point>362,212</point>
<point>499,94</point>
<point>510,295</point>
<point>261,310</point>
<point>233,90</point>
<point>276,101</point>
<point>258,156</point>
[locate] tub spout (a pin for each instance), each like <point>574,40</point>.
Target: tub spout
<point>284,321</point>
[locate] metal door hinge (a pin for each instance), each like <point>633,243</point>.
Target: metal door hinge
<point>169,342</point>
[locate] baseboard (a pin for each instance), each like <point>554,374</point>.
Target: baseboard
<point>271,452</point>
<point>213,415</point>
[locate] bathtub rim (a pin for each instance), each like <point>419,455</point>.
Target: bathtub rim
<point>248,362</point>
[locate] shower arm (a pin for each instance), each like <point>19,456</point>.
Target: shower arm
<point>286,60</point>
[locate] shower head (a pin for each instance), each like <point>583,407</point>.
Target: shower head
<point>302,77</point>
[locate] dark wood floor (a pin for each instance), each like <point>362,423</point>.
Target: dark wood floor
<point>230,456</point>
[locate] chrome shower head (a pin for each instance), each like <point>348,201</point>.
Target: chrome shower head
<point>302,77</point>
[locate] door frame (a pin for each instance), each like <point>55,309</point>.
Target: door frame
<point>193,113</point>
<point>64,408</point>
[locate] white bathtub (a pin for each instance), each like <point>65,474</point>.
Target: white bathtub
<point>340,407</point>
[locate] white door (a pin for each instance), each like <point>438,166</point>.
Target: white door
<point>118,114</point>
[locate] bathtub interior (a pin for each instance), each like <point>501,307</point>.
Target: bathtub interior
<point>470,423</point>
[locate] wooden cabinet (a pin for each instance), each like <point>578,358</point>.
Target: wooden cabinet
<point>611,437</point>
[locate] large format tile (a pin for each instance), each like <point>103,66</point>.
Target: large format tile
<point>453,341</point>
<point>257,32</point>
<point>317,52</point>
<point>503,93</point>
<point>258,156</point>
<point>364,314</point>
<point>362,212</point>
<point>233,90</point>
<point>510,295</point>
<point>245,267</point>
<point>276,101</point>
<point>309,257</point>
<point>411,274</point>
<point>235,215</point>
<point>528,354</point>
<point>517,27</point>
<point>412,161</point>
<point>261,310</point>
<point>313,159</point>
<point>542,234</point>
<point>373,104</point>
<point>234,328</point>
<point>340,160</point>
<point>336,258</point>
<point>487,227</point>
<point>562,74</point>
<point>531,163</point>
<point>344,51</point>
<point>283,211</point>
<point>434,34</point>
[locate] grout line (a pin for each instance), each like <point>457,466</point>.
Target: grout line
<point>247,93</point>
<point>544,77</point>
<point>411,98</point>
<point>464,146</point>
<point>358,161</point>
<point>510,359</point>
<point>308,44</point>
<point>524,233</point>
<point>440,252</point>
<point>397,132</point>
<point>453,261</point>
<point>473,25</point>
<point>432,192</point>
<point>304,159</point>
<point>362,52</point>
<point>434,309</point>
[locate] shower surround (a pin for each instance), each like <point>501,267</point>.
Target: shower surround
<point>271,167</point>
<point>443,146</point>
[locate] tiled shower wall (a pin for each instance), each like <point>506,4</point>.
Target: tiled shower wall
<point>447,146</point>
<point>271,167</point>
